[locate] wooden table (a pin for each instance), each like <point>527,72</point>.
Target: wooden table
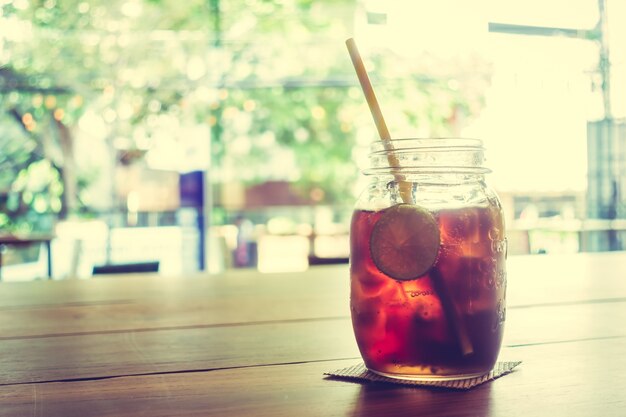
<point>247,344</point>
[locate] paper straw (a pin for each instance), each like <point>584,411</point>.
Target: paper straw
<point>379,120</point>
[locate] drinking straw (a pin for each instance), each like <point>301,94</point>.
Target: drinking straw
<point>379,120</point>
<point>453,315</point>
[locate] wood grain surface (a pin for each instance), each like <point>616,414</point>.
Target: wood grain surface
<point>245,343</point>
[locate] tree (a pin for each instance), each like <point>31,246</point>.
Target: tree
<point>271,78</point>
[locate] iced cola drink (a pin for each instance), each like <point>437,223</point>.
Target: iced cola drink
<point>428,278</point>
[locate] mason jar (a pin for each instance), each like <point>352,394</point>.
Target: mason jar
<point>427,261</point>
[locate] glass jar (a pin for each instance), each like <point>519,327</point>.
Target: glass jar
<point>427,261</point>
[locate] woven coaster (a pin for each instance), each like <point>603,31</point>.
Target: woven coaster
<point>359,372</point>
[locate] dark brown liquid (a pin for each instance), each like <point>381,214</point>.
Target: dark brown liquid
<point>405,328</point>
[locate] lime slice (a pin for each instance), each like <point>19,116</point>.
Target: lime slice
<point>405,241</point>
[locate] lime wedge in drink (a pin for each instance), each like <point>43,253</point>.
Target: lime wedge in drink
<point>405,241</point>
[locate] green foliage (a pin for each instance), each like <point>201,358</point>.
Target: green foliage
<point>307,133</point>
<point>31,159</point>
<point>270,77</point>
<point>34,193</point>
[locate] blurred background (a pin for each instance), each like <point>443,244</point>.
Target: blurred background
<point>213,134</point>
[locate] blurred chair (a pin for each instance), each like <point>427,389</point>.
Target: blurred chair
<point>152,266</point>
<point>316,260</point>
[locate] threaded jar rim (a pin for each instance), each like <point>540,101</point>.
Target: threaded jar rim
<point>453,155</point>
